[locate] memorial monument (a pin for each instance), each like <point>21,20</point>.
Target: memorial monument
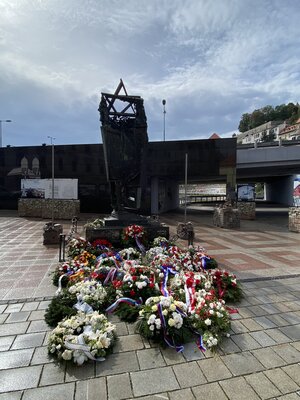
<point>124,135</point>
<point>125,139</point>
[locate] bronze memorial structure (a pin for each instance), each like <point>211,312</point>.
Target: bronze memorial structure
<point>125,140</point>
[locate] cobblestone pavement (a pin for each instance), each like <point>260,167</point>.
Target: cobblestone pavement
<point>260,360</point>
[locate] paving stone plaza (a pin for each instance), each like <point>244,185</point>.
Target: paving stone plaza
<point>260,359</point>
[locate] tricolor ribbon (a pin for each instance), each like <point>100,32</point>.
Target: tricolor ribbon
<point>199,343</point>
<point>166,270</point>
<point>110,276</point>
<point>168,340</point>
<point>140,245</point>
<point>126,300</point>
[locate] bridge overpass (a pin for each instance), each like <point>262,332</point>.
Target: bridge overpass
<point>275,164</point>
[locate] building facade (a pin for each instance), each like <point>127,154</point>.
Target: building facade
<point>208,160</point>
<point>257,134</point>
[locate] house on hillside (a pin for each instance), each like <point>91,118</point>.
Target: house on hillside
<point>291,132</point>
<point>256,134</point>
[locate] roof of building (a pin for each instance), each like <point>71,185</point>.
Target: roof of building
<point>214,136</point>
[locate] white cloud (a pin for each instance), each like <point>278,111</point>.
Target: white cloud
<point>211,61</point>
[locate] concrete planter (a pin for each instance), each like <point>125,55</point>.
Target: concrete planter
<point>247,209</point>
<point>226,217</point>
<point>294,219</point>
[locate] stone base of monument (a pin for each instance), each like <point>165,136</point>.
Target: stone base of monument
<point>247,209</point>
<point>294,219</point>
<point>51,233</point>
<point>113,228</point>
<point>226,217</point>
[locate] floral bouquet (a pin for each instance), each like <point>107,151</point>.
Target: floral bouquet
<point>137,286</point>
<point>76,246</point>
<point>196,259</point>
<point>138,283</point>
<point>226,286</point>
<point>155,252</point>
<point>134,235</point>
<point>160,241</point>
<point>75,297</point>
<point>99,246</point>
<point>85,259</point>
<point>209,318</point>
<point>164,319</point>
<point>89,291</point>
<point>68,269</point>
<point>82,337</point>
<point>130,254</point>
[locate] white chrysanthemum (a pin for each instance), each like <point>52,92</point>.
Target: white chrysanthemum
<point>207,322</point>
<point>151,319</point>
<point>165,302</point>
<point>67,355</point>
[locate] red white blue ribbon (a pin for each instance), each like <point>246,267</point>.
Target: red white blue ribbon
<point>140,245</point>
<point>168,340</point>
<point>126,300</point>
<point>110,276</point>
<point>166,270</point>
<point>200,343</point>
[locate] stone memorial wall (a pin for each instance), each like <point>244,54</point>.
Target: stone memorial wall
<point>42,208</point>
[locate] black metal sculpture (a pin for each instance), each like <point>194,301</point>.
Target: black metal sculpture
<point>124,135</point>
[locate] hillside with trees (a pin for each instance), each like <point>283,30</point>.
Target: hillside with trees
<point>284,112</point>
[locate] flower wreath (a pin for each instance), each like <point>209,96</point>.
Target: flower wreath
<point>82,337</point>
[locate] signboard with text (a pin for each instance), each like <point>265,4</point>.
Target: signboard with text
<point>66,189</point>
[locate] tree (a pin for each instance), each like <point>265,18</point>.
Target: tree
<point>284,112</point>
<point>244,123</point>
<point>257,118</point>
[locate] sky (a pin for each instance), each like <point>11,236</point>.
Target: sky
<point>211,60</point>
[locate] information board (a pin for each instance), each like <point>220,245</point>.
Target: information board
<point>64,189</point>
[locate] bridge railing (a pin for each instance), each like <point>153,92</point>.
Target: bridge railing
<point>196,198</point>
<point>275,143</point>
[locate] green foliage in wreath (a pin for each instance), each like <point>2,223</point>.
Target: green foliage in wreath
<point>127,313</point>
<point>234,294</point>
<point>55,278</point>
<point>211,263</point>
<point>59,308</point>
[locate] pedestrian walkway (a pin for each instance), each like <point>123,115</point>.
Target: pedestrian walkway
<point>260,360</point>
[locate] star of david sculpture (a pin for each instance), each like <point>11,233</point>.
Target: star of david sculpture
<point>124,136</point>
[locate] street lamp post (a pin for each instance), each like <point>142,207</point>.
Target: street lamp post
<point>52,208</point>
<point>164,112</point>
<point>2,120</point>
<point>52,232</point>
